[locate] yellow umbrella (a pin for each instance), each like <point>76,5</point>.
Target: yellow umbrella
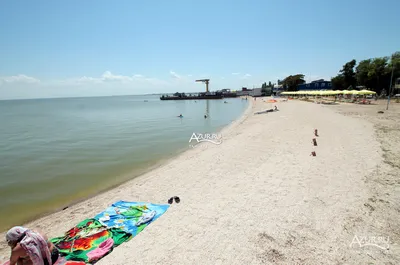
<point>316,93</point>
<point>330,93</point>
<point>346,92</point>
<point>334,92</point>
<point>366,92</point>
<point>323,92</point>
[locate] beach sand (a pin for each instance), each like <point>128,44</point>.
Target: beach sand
<point>260,198</point>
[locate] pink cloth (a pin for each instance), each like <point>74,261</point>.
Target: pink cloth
<point>33,243</point>
<point>62,261</point>
<point>102,250</point>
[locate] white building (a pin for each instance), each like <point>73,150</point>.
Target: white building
<point>255,92</point>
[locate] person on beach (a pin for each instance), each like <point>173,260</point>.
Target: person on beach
<point>30,247</point>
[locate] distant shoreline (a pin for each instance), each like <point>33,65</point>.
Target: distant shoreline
<point>79,97</point>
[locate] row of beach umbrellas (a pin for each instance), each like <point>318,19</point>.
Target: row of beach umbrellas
<point>330,92</point>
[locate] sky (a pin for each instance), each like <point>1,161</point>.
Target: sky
<point>98,48</point>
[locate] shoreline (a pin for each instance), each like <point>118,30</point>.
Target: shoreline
<point>259,197</point>
<point>132,176</point>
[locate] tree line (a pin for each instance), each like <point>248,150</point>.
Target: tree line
<point>373,74</point>
<point>266,90</point>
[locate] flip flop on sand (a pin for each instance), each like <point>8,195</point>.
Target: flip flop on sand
<point>176,198</point>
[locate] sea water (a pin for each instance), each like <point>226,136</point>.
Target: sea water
<point>55,151</point>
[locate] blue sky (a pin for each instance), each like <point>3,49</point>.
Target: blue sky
<point>97,48</point>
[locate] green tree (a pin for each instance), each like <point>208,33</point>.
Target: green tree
<point>349,75</point>
<point>292,81</point>
<point>378,73</point>
<point>338,82</point>
<point>264,85</point>
<point>346,78</point>
<point>394,62</point>
<point>362,73</point>
<point>266,90</point>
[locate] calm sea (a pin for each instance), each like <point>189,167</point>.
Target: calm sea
<point>55,151</point>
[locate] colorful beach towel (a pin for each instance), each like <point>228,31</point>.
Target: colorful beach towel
<point>92,239</point>
<point>85,238</point>
<point>63,261</point>
<point>132,217</point>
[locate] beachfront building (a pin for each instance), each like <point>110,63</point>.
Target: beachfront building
<point>320,84</point>
<point>243,92</point>
<point>256,92</point>
<point>277,89</point>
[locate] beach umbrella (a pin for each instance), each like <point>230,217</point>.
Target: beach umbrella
<point>310,92</point>
<point>354,92</point>
<point>329,93</point>
<point>346,92</point>
<point>366,92</point>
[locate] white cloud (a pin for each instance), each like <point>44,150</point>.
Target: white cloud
<point>246,76</point>
<point>108,77</point>
<point>109,83</point>
<point>235,73</point>
<point>174,75</point>
<point>18,79</point>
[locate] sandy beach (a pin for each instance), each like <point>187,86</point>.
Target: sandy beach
<point>261,198</point>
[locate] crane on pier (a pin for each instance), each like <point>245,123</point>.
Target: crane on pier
<point>206,81</point>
